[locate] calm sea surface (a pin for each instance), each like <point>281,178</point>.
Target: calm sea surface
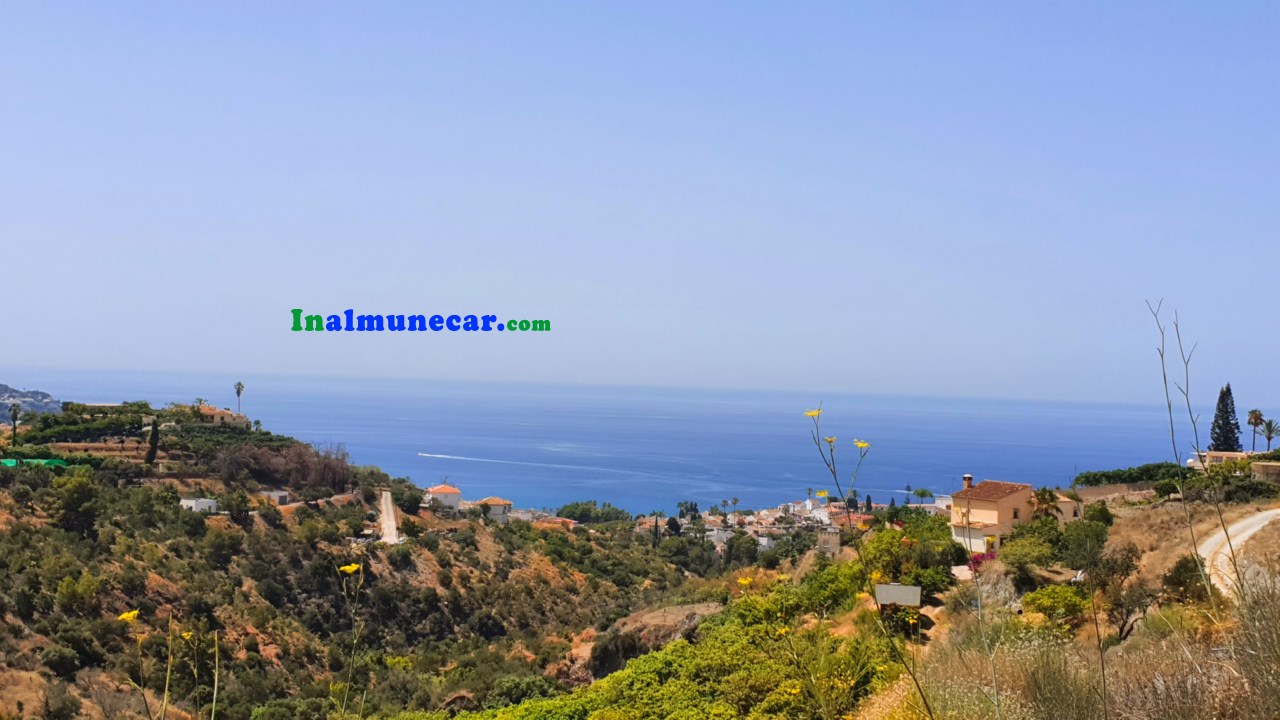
<point>647,449</point>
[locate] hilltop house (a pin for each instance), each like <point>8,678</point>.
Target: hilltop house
<point>983,515</point>
<point>445,494</point>
<point>211,415</point>
<point>499,509</point>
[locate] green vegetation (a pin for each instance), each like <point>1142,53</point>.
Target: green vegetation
<point>1224,433</point>
<point>590,512</point>
<point>1151,472</point>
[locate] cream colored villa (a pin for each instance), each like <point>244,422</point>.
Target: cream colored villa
<point>983,515</point>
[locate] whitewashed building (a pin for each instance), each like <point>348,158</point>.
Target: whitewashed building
<point>200,505</point>
<point>445,494</point>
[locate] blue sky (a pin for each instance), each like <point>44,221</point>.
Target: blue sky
<point>960,199</point>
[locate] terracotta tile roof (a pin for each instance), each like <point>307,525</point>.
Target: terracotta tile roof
<point>444,489</point>
<point>990,490</point>
<point>492,500</point>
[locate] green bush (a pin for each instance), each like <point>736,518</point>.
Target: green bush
<point>1060,603</point>
<point>63,661</point>
<point>1185,580</point>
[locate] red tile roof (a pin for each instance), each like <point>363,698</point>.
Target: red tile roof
<point>990,490</point>
<point>444,489</point>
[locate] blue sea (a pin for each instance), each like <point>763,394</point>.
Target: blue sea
<point>647,449</point>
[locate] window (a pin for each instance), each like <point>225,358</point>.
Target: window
<point>1075,512</point>
<point>1015,513</point>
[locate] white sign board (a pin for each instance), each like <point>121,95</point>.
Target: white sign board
<point>895,594</point>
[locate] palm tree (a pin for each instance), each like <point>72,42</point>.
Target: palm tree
<point>1255,421</point>
<point>923,493</point>
<point>239,392</point>
<point>1044,503</point>
<point>1270,429</point>
<point>737,520</point>
<point>14,410</point>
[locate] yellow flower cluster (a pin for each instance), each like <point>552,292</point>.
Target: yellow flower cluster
<point>812,413</point>
<point>130,617</point>
<point>862,444</point>
<point>744,582</point>
<point>351,569</point>
<point>822,493</point>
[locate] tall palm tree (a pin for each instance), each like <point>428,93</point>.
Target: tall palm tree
<point>1270,429</point>
<point>737,520</point>
<point>923,494</point>
<point>14,410</point>
<point>1255,421</point>
<point>1044,503</point>
<point>239,392</point>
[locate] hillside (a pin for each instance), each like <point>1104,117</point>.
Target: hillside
<point>108,578</point>
<point>28,400</point>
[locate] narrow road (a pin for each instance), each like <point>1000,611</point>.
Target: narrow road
<point>390,533</point>
<point>1216,554</point>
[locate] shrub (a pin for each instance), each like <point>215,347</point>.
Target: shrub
<point>1099,512</point>
<point>1184,581</point>
<point>1028,551</point>
<point>1082,543</point>
<point>932,581</point>
<point>1060,603</point>
<point>63,661</point>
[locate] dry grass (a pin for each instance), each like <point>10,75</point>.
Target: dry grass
<point>1160,531</point>
<point>1180,665</point>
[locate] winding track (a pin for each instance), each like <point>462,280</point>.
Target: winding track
<point>1217,555</point>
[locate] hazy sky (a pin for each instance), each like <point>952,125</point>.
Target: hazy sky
<point>937,199</point>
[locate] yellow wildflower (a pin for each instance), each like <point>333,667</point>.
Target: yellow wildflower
<point>744,582</point>
<point>188,635</point>
<point>830,440</point>
<point>822,493</point>
<point>795,690</point>
<point>784,577</point>
<point>783,631</point>
<point>812,413</point>
<point>862,444</point>
<point>130,617</point>
<point>351,569</point>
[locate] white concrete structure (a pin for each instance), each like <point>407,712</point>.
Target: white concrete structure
<point>279,497</point>
<point>200,505</point>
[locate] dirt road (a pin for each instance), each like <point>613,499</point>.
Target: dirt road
<point>1216,554</point>
<point>390,533</point>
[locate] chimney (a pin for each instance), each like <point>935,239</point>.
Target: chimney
<point>968,481</point>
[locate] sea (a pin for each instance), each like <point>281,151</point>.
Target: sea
<point>646,449</point>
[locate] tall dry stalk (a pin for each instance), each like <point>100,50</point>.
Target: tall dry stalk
<point>829,460</point>
<point>1173,435</point>
<point>987,648</point>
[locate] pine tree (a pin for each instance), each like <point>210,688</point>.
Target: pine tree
<point>1224,434</point>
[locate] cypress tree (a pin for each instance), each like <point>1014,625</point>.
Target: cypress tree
<point>153,441</point>
<point>868,506</point>
<point>1224,434</point>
